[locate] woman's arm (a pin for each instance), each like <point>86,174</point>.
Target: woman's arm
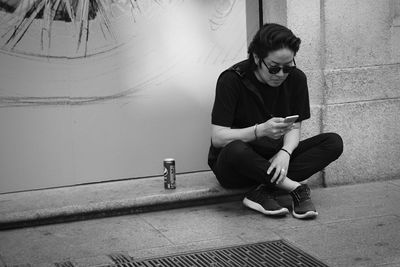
<point>273,128</point>
<point>221,136</point>
<point>280,161</point>
<point>292,138</point>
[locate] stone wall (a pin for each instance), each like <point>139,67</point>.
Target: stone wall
<point>351,54</point>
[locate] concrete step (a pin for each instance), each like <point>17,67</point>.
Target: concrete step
<point>91,201</point>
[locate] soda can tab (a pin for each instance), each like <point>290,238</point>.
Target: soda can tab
<point>169,174</point>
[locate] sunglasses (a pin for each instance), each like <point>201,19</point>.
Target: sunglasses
<point>277,69</point>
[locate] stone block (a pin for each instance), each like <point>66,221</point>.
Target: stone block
<point>358,33</point>
<point>359,84</point>
<point>371,143</point>
<point>315,84</point>
<point>312,126</point>
<point>274,11</point>
<point>305,22</point>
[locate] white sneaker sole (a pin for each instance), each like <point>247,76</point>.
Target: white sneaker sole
<point>307,215</point>
<point>255,206</point>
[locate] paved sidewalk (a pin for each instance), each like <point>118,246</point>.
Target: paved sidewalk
<point>358,225</point>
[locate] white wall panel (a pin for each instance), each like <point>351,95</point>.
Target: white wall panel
<point>139,90</point>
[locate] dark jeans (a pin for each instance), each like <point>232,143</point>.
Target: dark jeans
<point>241,164</point>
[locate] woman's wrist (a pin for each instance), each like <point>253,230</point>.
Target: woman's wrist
<point>286,151</point>
<point>255,131</point>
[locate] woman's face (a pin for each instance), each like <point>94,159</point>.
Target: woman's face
<point>279,58</point>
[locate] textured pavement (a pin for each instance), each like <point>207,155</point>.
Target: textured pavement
<point>358,225</point>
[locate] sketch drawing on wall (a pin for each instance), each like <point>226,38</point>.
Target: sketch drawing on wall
<point>67,33</point>
<point>82,27</point>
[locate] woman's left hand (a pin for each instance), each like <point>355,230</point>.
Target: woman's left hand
<point>279,162</point>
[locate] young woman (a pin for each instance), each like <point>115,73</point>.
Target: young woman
<point>251,143</point>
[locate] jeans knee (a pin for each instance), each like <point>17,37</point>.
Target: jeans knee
<point>335,143</point>
<point>235,151</point>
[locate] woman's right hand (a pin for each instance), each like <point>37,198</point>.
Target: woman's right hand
<point>274,128</point>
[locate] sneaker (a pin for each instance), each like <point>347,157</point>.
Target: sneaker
<point>303,208</point>
<point>262,199</point>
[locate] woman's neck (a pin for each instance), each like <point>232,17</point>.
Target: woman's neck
<point>258,77</point>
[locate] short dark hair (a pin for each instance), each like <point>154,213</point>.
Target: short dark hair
<point>271,37</point>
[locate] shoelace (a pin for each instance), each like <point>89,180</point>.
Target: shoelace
<point>301,193</point>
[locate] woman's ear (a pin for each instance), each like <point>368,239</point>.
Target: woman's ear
<point>256,59</point>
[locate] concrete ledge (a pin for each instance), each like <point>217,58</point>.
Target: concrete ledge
<point>109,199</point>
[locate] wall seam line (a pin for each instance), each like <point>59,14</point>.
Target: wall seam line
<point>322,66</point>
<point>363,101</point>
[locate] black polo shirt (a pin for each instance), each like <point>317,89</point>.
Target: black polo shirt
<point>239,105</point>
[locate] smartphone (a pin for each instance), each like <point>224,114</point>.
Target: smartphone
<point>291,119</point>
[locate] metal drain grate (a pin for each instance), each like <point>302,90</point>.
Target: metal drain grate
<point>272,253</point>
<point>120,258</point>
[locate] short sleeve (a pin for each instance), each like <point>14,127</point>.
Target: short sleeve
<point>226,98</point>
<point>300,101</point>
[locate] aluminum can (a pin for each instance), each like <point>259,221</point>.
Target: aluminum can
<point>169,174</point>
